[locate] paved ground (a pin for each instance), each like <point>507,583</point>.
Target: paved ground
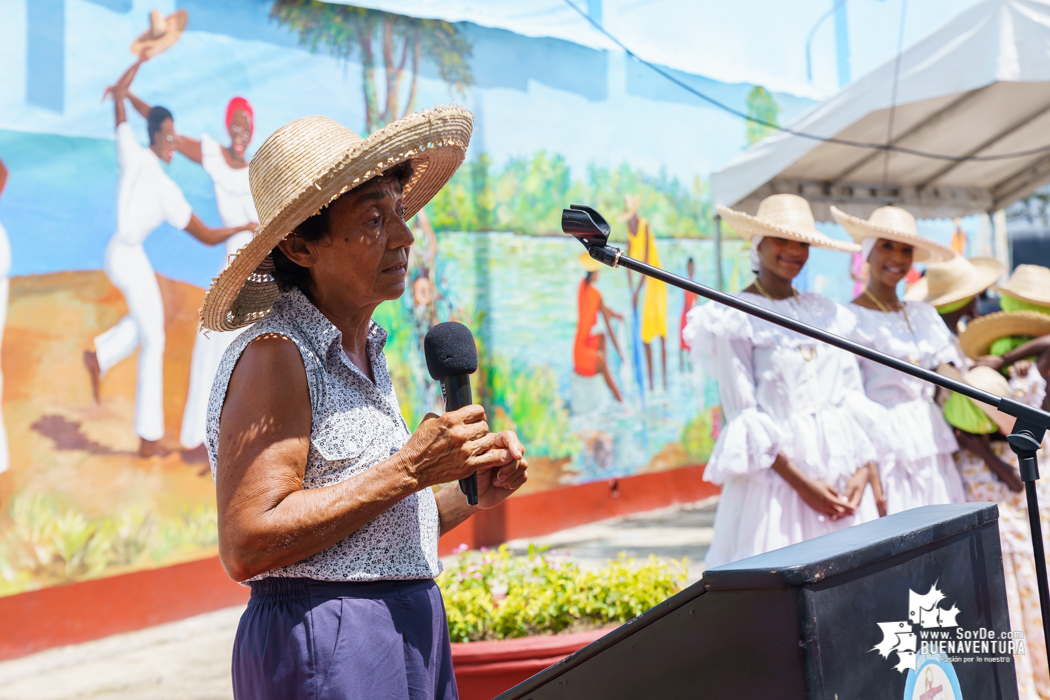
<point>190,659</point>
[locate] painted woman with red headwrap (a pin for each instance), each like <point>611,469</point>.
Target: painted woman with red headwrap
<point>228,170</point>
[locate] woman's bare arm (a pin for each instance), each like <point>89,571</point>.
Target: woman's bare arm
<point>267,519</point>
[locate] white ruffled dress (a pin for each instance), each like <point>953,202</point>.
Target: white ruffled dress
<point>775,400</point>
<point>916,467</point>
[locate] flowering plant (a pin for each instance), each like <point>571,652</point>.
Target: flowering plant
<point>500,595</point>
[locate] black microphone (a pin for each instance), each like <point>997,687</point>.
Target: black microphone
<point>451,358</point>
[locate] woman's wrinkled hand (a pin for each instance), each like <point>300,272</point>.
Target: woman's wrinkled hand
<point>454,445</point>
<point>497,483</point>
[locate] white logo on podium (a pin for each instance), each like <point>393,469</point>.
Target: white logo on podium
<point>924,612</point>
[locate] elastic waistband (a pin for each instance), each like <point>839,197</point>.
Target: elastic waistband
<point>274,588</point>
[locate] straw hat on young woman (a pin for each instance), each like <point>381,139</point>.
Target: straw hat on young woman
<point>955,280</point>
<point>786,216</point>
<point>976,341</point>
<point>326,499</point>
<point>305,165</point>
<point>891,224</point>
<point>1029,284</point>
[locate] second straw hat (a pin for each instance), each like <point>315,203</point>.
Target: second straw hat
<point>956,279</point>
<point>981,332</point>
<point>894,224</point>
<point>1029,283</point>
<point>783,216</point>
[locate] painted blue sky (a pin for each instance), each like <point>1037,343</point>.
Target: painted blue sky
<point>590,105</point>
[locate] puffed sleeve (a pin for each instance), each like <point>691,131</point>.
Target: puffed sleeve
<point>750,439</point>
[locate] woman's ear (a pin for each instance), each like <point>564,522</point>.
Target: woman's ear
<point>297,250</point>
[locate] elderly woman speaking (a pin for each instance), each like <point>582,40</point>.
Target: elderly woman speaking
<point>326,500</point>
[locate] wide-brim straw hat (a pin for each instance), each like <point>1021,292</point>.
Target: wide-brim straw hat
<point>161,35</point>
<point>631,204</point>
<point>783,216</point>
<point>955,279</point>
<point>893,224</point>
<point>304,166</point>
<point>981,332</point>
<point>987,379</point>
<point>589,264</point>
<point>1029,283</point>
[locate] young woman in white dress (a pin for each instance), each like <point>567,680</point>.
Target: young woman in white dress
<point>792,458</point>
<point>916,468</point>
<point>228,170</point>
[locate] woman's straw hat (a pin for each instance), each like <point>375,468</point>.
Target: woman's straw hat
<point>987,379</point>
<point>304,166</point>
<point>894,224</point>
<point>1029,283</point>
<point>589,264</point>
<point>162,34</point>
<point>631,204</point>
<point>954,280</point>
<point>783,216</point>
<point>981,332</point>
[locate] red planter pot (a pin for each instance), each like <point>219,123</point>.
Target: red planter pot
<point>486,669</point>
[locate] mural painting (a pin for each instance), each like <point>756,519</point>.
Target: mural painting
<point>119,212</point>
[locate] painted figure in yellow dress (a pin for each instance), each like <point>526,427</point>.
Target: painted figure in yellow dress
<point>641,245</point>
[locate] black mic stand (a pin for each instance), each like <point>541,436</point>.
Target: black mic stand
<point>588,226</point>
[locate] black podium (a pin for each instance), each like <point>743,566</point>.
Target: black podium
<point>909,606</point>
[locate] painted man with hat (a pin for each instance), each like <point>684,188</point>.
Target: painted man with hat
<point>146,198</point>
<point>793,455</point>
<point>228,169</point>
<point>326,498</point>
<point>916,468</point>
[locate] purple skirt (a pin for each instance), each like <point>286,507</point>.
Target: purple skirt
<point>302,639</point>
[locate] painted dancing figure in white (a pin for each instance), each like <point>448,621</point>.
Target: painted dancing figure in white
<point>146,198</point>
<point>228,170</point>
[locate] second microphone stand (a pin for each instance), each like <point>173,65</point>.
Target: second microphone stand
<point>588,226</point>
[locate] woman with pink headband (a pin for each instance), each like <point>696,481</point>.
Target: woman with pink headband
<point>228,169</point>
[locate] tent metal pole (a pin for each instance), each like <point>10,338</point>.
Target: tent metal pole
<point>718,254</point>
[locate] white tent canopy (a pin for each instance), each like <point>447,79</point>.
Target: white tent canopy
<point>977,86</point>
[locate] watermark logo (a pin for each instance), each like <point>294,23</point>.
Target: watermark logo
<point>924,612</point>
<point>932,631</point>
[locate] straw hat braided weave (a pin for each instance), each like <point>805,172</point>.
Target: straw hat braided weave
<point>304,166</point>
<point>783,216</point>
<point>981,332</point>
<point>894,224</point>
<point>1029,283</point>
<point>954,280</point>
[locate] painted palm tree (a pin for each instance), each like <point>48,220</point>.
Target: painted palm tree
<point>390,48</point>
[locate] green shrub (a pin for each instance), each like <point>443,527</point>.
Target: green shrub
<point>503,596</point>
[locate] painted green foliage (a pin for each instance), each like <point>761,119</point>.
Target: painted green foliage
<point>49,541</point>
<point>700,433</point>
<point>527,195</point>
<point>761,105</point>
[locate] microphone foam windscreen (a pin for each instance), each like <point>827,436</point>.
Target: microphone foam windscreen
<point>450,350</point>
